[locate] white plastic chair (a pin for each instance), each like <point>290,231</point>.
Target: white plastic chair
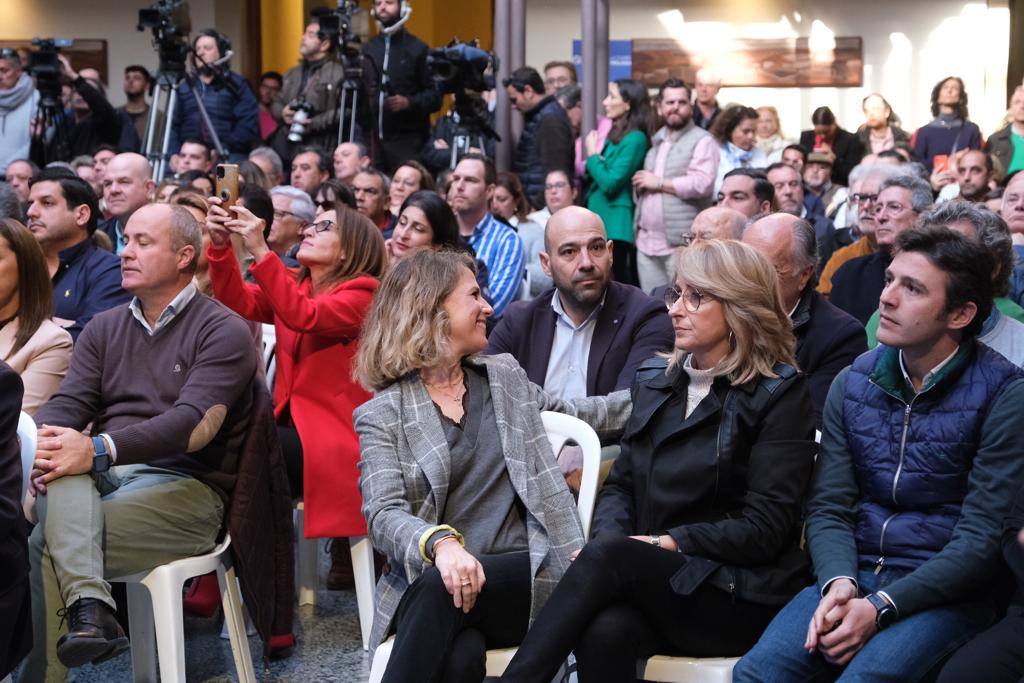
<point>307,574</point>
<point>269,357</point>
<point>27,436</point>
<point>560,428</point>
<point>155,610</point>
<point>687,669</point>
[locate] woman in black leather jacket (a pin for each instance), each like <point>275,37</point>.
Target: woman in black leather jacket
<point>695,542</point>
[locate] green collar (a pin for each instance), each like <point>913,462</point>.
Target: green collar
<point>888,375</point>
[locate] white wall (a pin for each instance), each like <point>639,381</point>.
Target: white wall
<point>908,46</point>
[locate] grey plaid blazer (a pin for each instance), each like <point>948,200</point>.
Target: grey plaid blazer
<point>405,471</point>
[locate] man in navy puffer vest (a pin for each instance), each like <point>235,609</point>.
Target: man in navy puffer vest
<point>920,456</point>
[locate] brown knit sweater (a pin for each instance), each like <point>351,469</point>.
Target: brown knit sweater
<point>179,399</point>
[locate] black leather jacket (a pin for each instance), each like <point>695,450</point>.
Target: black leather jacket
<point>727,483</point>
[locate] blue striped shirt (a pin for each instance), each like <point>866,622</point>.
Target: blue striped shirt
<point>500,248</point>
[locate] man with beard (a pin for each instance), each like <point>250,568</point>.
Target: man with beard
<point>974,173</point>
<point>674,185</point>
<point>400,87</point>
<point>587,335</point>
<point>137,80</point>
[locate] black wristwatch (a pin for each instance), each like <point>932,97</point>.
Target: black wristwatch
<point>886,612</point>
<point>101,459</point>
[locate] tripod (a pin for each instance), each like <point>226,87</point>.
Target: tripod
<point>470,128</point>
<point>51,140</point>
<point>166,87</point>
<point>348,100</point>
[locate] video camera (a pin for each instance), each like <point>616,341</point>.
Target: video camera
<point>45,68</point>
<point>337,27</point>
<point>169,20</point>
<point>462,67</point>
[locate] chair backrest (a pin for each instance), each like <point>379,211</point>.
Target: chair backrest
<point>561,428</point>
<point>269,357</point>
<point>27,438</point>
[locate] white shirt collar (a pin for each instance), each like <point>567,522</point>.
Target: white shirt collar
<point>167,315</point>
<point>931,373</point>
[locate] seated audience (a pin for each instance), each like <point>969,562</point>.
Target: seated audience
<point>165,190</point>
<point>975,177</point>
<point>718,223</point>
<point>496,244</point>
<point>881,129</point>
<point>817,177</point>
<point>827,339</point>
<point>127,186</point>
<point>610,169</point>
<point>588,335</point>
<point>86,280</point>
<point>194,155</point>
<point>696,534</point>
<point>84,167</point>
<point>746,190</point>
<point>149,486</point>
<point>270,161</point>
<point>736,132</point>
<point>509,204</point>
<point>915,476</point>
<point>1006,145</point>
<point>796,156</point>
<point>349,158</point>
<point>16,598</point>
<point>1012,211</point>
<point>317,314</point>
<point>329,193</point>
<point>30,343</point>
<point>250,173</point>
<point>410,176</point>
<point>770,139</point>
<point>310,167</point>
<point>200,181</point>
<point>827,136</point>
<point>459,485</point>
<point>856,285</point>
<point>372,189</point>
<point>293,211</point>
<point>950,130</point>
<point>789,196</point>
<point>19,173</point>
<point>674,185</point>
<point>559,192</point>
<point>997,655</point>
<point>10,206</point>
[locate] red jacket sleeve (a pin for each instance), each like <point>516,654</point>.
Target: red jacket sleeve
<point>339,312</point>
<point>244,299</point>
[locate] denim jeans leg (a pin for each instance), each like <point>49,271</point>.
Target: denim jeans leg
<point>779,656</point>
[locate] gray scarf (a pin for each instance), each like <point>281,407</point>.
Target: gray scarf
<point>16,96</point>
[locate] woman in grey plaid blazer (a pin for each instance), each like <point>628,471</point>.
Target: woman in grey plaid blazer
<point>460,488</point>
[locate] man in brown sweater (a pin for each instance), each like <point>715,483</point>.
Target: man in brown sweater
<point>165,383</point>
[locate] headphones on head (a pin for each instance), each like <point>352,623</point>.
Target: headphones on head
<point>404,10</point>
<point>223,44</point>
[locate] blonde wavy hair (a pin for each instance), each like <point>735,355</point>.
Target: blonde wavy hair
<point>407,327</point>
<point>746,284</point>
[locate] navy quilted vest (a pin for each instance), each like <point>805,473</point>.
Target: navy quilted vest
<point>912,460</point>
<point>527,159</point>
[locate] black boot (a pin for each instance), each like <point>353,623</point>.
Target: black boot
<point>340,576</point>
<point>93,634</point>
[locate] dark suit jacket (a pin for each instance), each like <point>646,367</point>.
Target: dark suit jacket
<point>631,328</point>
<point>15,602</point>
<point>847,148</point>
<point>827,340</point>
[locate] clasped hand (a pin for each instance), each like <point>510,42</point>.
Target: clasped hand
<point>463,575</point>
<point>220,224</point>
<point>842,624</point>
<point>60,452</point>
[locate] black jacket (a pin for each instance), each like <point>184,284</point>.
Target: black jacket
<point>847,148</point>
<point>1000,146</point>
<point>101,126</point>
<point>727,483</point>
<point>546,144</point>
<point>15,602</point>
<point>630,328</point>
<point>827,340</point>
<point>1013,551</point>
<point>858,283</point>
<point>408,75</point>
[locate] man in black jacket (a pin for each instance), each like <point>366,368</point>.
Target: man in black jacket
<point>827,339</point>
<point>15,603</point>
<point>588,335</point>
<point>547,141</point>
<point>95,120</point>
<point>400,88</point>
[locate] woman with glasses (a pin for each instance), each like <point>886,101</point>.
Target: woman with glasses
<point>331,192</point>
<point>696,535</point>
<point>317,312</point>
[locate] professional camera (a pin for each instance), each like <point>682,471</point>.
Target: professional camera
<point>336,24</point>
<point>462,67</point>
<point>45,68</point>
<point>302,114</point>
<point>169,20</point>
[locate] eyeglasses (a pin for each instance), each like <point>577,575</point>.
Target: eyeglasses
<point>692,298</point>
<point>892,207</point>
<point>560,185</point>
<point>319,226</point>
<point>864,198</point>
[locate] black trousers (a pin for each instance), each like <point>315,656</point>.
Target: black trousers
<point>615,606</point>
<point>995,656</point>
<point>436,642</point>
<point>624,263</point>
<point>291,448</point>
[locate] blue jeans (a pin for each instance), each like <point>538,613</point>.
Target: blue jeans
<point>906,651</point>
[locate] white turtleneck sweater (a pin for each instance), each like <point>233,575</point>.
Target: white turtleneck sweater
<point>699,386</point>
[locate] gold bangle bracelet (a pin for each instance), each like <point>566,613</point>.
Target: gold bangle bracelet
<point>425,536</point>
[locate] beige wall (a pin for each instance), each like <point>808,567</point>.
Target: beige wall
<point>908,46</point>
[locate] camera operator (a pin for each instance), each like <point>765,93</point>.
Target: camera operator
<point>437,152</point>
<point>402,96</point>
<point>312,85</point>
<point>226,96</point>
<point>94,120</point>
<point>19,100</point>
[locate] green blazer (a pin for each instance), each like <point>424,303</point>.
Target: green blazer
<point>610,194</point>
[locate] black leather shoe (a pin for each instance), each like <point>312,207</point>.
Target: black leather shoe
<point>93,634</point>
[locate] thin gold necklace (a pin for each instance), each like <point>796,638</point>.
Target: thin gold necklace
<point>457,396</point>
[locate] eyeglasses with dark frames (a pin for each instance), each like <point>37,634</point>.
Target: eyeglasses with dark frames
<point>319,226</point>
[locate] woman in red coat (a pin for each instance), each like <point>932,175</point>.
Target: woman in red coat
<point>317,313</point>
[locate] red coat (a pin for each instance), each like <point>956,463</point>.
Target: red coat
<point>317,340</point>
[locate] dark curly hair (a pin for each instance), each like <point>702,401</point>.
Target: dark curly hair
<point>731,117</point>
<point>961,105</point>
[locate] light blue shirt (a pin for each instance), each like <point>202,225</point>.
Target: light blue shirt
<point>167,315</point>
<point>570,352</point>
